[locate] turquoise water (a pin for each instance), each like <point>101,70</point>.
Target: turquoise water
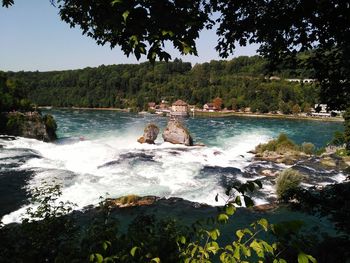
<point>211,131</point>
<point>97,155</point>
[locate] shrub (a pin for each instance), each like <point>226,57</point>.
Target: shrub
<point>338,139</point>
<point>347,129</point>
<point>307,148</point>
<point>50,125</point>
<point>14,123</point>
<point>281,144</point>
<point>286,183</point>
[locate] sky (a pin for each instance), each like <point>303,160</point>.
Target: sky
<point>33,37</point>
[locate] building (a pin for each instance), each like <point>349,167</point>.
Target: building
<point>274,78</point>
<point>323,111</point>
<point>164,106</point>
<point>302,80</point>
<point>179,108</point>
<point>151,105</point>
<point>209,107</point>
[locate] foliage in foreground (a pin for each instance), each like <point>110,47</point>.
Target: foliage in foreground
<point>331,201</point>
<point>59,237</point>
<point>204,244</point>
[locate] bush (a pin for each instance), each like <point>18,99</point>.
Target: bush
<point>14,123</point>
<point>286,183</point>
<point>281,144</point>
<point>50,125</point>
<point>307,148</point>
<point>347,129</point>
<point>338,139</point>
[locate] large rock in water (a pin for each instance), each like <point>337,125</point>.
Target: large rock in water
<point>176,133</point>
<point>150,134</point>
<point>30,125</point>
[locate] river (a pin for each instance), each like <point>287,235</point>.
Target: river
<point>97,155</point>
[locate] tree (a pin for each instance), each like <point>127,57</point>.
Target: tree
<point>296,109</point>
<point>347,130</point>
<point>217,103</point>
<point>307,108</point>
<point>234,104</point>
<point>282,28</point>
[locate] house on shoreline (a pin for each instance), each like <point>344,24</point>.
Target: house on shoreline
<point>209,107</point>
<point>179,108</point>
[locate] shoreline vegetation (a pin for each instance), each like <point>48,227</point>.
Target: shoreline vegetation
<point>218,114</point>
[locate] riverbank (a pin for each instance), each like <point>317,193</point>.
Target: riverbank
<point>218,114</point>
<point>264,115</point>
<point>83,108</point>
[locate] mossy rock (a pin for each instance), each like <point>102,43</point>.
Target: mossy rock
<point>131,200</point>
<point>29,125</point>
<point>328,162</point>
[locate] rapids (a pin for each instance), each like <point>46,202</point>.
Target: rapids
<point>97,155</point>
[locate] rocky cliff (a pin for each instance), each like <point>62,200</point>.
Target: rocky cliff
<point>29,125</point>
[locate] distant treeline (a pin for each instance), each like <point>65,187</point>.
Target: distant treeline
<point>12,95</point>
<point>239,82</point>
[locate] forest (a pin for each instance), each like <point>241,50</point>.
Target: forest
<point>240,82</point>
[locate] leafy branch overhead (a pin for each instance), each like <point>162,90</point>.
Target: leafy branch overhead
<point>281,28</point>
<point>138,27</point>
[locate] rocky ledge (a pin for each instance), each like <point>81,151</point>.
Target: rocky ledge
<point>130,201</point>
<point>287,157</point>
<point>29,124</point>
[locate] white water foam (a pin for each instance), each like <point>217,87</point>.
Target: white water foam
<point>173,171</point>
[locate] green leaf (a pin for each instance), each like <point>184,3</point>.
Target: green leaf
<point>248,201</point>
<point>125,15</point>
<point>230,209</point>
<point>239,234</point>
<point>257,248</point>
<point>92,258</point>
<point>229,248</point>
<point>213,247</point>
<point>246,251</point>
<point>182,240</point>
<point>223,218</point>
<point>194,250</point>
<point>167,32</point>
<point>133,251</point>
<point>302,258</point>
<point>106,244</point>
<point>267,246</point>
<point>312,259</point>
<point>237,253</point>
<point>157,260</point>
<point>214,234</point>
<point>116,2</point>
<point>99,258</point>
<point>263,223</point>
<point>238,200</point>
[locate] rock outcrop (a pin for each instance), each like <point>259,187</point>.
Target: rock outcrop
<point>150,134</point>
<point>30,125</point>
<point>130,201</point>
<point>287,157</point>
<point>176,133</point>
